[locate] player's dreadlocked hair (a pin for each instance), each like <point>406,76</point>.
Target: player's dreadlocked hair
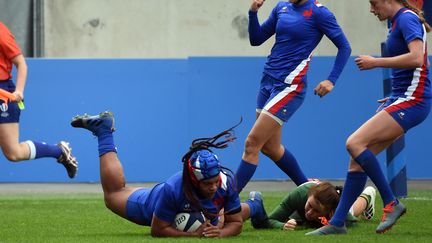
<point>420,13</point>
<point>189,184</point>
<point>298,1</point>
<point>327,195</point>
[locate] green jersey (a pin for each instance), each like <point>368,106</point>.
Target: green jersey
<point>293,207</point>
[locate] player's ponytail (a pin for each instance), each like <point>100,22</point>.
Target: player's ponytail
<point>419,12</point>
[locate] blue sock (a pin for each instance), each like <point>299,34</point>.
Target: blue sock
<point>244,173</point>
<point>251,208</point>
<point>289,165</point>
<point>106,143</point>
<point>353,187</point>
<point>370,165</point>
<point>42,150</point>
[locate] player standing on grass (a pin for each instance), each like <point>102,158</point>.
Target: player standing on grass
<point>202,186</point>
<point>10,54</point>
<point>407,107</point>
<point>299,26</point>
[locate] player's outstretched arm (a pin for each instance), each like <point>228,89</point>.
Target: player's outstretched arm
<point>232,227</point>
<point>413,59</point>
<point>160,228</point>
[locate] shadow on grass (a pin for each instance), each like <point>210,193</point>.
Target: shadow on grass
<point>115,235</point>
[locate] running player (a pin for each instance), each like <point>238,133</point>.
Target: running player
<point>203,186</point>
<point>299,26</point>
<point>10,54</point>
<point>408,105</point>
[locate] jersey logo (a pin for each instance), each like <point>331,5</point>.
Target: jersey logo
<point>307,13</point>
<point>218,201</point>
<point>4,108</point>
<point>283,10</point>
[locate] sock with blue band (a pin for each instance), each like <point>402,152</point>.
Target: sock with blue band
<point>244,173</point>
<point>289,165</point>
<point>252,208</point>
<point>354,184</point>
<point>43,150</point>
<point>106,143</point>
<point>370,165</point>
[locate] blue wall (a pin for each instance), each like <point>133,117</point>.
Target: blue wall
<point>161,105</point>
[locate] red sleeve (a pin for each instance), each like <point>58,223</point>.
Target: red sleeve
<point>7,43</point>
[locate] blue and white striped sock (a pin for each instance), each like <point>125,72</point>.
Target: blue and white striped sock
<point>43,150</point>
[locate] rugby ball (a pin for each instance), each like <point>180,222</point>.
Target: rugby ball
<point>189,222</point>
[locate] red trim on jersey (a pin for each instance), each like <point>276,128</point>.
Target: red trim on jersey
<point>301,74</point>
<point>297,80</point>
<point>418,93</point>
<point>393,26</point>
<point>274,109</point>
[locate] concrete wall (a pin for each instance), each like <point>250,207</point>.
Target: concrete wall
<point>18,17</point>
<point>151,28</point>
<point>182,28</point>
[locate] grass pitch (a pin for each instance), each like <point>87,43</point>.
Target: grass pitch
<point>84,218</point>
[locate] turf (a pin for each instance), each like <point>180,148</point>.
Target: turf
<point>84,218</point>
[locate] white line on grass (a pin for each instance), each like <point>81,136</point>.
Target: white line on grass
<point>418,198</point>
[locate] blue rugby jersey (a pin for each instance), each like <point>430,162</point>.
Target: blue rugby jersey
<point>408,83</point>
<point>298,29</point>
<point>167,199</point>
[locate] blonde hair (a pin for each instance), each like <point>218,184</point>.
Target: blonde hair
<point>420,13</point>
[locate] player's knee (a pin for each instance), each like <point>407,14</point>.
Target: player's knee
<point>252,145</point>
<point>349,144</point>
<point>352,144</point>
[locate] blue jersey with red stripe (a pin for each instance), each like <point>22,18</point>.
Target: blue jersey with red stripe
<point>167,199</point>
<point>298,29</point>
<point>406,82</point>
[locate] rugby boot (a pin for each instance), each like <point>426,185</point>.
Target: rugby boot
<point>328,230</point>
<point>369,193</point>
<point>67,160</point>
<point>391,213</point>
<point>260,215</point>
<point>98,124</point>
